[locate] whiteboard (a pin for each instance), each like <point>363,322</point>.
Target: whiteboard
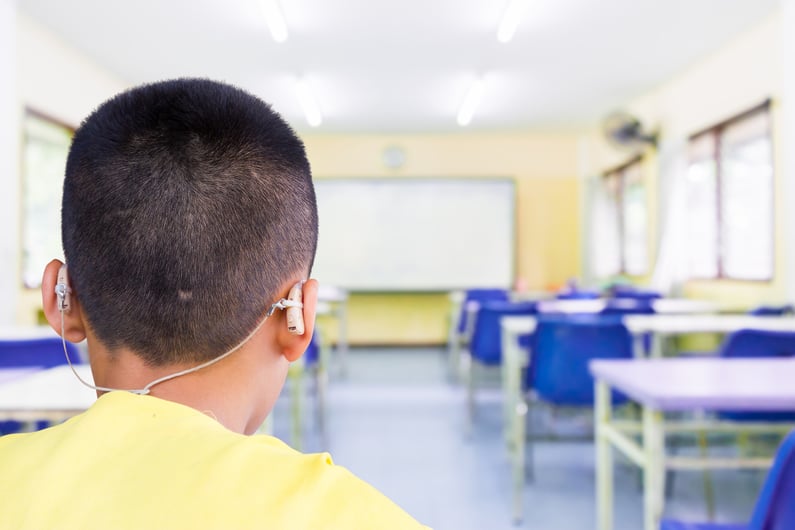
<point>399,234</point>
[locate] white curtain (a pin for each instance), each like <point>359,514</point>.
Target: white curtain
<point>672,269</point>
<point>603,235</point>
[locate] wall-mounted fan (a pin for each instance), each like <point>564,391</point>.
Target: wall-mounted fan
<point>625,131</point>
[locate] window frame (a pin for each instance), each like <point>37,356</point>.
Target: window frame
<point>25,176</point>
<point>716,132</point>
<point>620,172</point>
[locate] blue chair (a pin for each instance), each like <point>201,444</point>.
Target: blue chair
<point>773,310</point>
<point>561,350</point>
<point>775,506</point>
<point>485,346</point>
<point>578,294</point>
<point>752,343</point>
<point>747,343</point>
<point>630,291</point>
<point>562,347</point>
<point>42,353</point>
<point>465,323</point>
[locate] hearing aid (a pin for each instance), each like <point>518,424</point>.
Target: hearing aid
<point>295,313</point>
<point>63,291</point>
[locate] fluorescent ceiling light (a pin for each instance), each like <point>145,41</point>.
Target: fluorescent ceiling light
<point>471,102</point>
<point>274,19</point>
<point>510,19</point>
<point>308,103</point>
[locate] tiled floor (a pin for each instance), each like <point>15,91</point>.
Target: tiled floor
<point>396,422</point>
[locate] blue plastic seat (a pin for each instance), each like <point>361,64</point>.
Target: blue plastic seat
<point>772,310</point>
<point>39,353</point>
<point>578,294</point>
<point>775,506</point>
<point>479,296</point>
<point>43,353</point>
<point>759,343</point>
<point>485,346</point>
<point>630,291</point>
<point>562,348</point>
<point>462,332</point>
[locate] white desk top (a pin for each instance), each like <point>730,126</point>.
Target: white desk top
<point>26,332</point>
<point>518,325</point>
<point>55,390</point>
<point>681,324</point>
<point>712,384</point>
<point>683,306</point>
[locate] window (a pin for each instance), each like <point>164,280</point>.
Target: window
<point>730,199</point>
<point>619,227</point>
<point>45,148</point>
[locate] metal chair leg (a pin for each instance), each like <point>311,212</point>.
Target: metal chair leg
<point>709,491</point>
<point>469,369</point>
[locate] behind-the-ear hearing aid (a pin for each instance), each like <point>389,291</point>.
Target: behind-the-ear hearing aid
<point>293,305</point>
<point>63,291</point>
<point>295,313</point>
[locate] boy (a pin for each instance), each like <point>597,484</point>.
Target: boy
<point>189,224</point>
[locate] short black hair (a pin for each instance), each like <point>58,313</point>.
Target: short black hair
<point>187,205</point>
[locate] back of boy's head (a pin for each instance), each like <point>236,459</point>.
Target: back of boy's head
<point>187,206</point>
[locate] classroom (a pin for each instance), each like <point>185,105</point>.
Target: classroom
<point>555,253</point>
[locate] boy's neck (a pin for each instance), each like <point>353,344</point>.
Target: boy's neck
<point>237,391</point>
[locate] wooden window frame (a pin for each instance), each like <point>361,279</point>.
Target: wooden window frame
<point>620,173</point>
<point>717,131</point>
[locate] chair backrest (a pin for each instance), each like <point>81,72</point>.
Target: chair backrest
<point>775,506</point>
<point>578,294</point>
<point>759,343</point>
<point>43,352</point>
<point>772,310</point>
<point>562,347</point>
<point>479,296</point>
<point>486,344</point>
<point>630,291</point>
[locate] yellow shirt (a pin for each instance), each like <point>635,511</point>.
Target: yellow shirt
<point>141,462</point>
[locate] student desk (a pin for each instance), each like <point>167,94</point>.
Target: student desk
<point>663,385</point>
<point>662,326</point>
<point>514,359</point>
<point>54,394</point>
<point>10,374</point>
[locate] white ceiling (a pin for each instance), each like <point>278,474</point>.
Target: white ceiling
<point>405,66</point>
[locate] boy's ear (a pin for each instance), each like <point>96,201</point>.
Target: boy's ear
<point>73,326</point>
<point>294,346</point>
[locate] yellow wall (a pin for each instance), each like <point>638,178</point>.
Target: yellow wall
<point>544,167</point>
<point>739,76</point>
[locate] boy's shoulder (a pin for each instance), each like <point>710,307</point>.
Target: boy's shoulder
<point>138,446</point>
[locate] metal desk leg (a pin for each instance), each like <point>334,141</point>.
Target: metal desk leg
<point>510,383</point>
<point>520,413</point>
<point>654,469</point>
<point>638,350</point>
<point>656,346</point>
<point>604,458</point>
